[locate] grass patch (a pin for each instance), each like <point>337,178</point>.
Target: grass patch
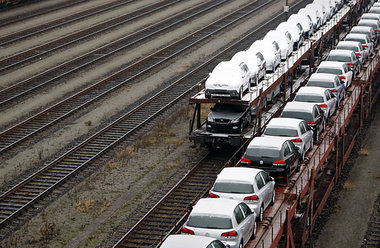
<point>111,165</point>
<point>173,140</point>
<point>364,152</point>
<point>349,186</point>
<point>126,154</point>
<point>92,207</point>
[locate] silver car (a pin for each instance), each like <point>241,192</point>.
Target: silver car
<point>329,81</point>
<point>253,186</point>
<point>321,96</point>
<point>230,221</point>
<point>191,241</point>
<point>295,129</point>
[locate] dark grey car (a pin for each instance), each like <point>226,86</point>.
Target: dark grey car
<point>228,118</point>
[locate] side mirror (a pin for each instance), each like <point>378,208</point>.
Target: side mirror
<point>271,178</point>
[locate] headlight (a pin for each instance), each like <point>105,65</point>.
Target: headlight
<point>235,121</point>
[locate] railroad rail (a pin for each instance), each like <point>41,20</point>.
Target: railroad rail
<point>44,50</point>
<point>29,85</point>
<point>47,118</point>
<point>35,187</point>
<point>59,23</point>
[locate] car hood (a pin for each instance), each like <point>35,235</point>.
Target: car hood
<point>225,115</point>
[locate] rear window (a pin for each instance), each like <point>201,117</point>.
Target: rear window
<point>237,188</point>
<point>339,58</point>
<point>297,114</point>
<point>283,132</point>
<point>308,98</point>
<point>321,84</point>
<point>263,152</point>
<point>329,70</point>
<point>210,222</point>
<point>363,41</point>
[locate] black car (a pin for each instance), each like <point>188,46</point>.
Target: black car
<point>310,112</point>
<point>276,155</point>
<point>228,118</point>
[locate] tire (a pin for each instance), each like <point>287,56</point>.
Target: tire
<point>253,236</point>
<point>273,198</point>
<point>260,216</point>
<point>298,168</point>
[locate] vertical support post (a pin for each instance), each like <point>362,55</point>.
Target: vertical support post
<point>198,106</point>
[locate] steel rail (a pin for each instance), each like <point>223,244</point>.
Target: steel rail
<point>30,55</point>
<point>58,23</point>
<point>46,118</point>
<point>66,69</point>
<point>29,191</point>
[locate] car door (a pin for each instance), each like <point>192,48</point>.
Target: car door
<point>306,139</point>
<point>216,244</point>
<point>287,155</point>
<point>249,221</point>
<point>293,154</point>
<point>241,228</point>
<point>268,187</point>
<point>348,74</point>
<point>261,189</point>
<point>319,117</point>
<point>331,102</point>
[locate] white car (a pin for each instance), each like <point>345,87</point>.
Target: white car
<point>271,52</point>
<point>370,16</point>
<point>346,56</point>
<point>321,96</point>
<point>306,23</point>
<point>313,17</point>
<point>375,24</point>
<point>356,47</point>
<point>228,79</point>
<point>230,221</point>
<point>365,30</point>
<point>337,68</point>
<point>253,186</point>
<point>253,68</point>
<point>295,30</point>
<point>295,129</point>
<point>364,39</point>
<point>323,9</point>
<point>328,81</point>
<point>191,241</point>
<point>314,14</point>
<point>283,41</point>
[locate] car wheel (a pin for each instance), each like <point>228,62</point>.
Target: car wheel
<point>253,236</point>
<point>260,216</point>
<point>298,168</point>
<point>273,197</point>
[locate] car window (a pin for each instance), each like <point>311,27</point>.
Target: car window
<point>276,46</point>
<point>327,95</point>
<point>246,210</point>
<point>216,244</point>
<point>207,221</point>
<point>331,94</point>
<point>244,69</point>
<point>345,68</point>
<point>265,176</point>
<point>283,132</point>
<point>233,187</point>
<point>259,181</point>
<point>320,111</point>
<point>302,128</point>
<point>337,81</point>
<point>291,146</point>
<point>315,112</point>
<point>239,216</point>
<point>286,149</point>
<point>306,126</point>
<point>260,57</point>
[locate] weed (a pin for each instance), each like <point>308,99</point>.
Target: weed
<point>170,166</point>
<point>364,152</point>
<point>88,123</point>
<point>173,140</point>
<point>48,231</point>
<point>126,154</point>
<point>111,165</point>
<point>349,186</point>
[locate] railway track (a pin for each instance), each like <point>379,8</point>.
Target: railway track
<point>372,237</point>
<point>165,214</point>
<point>58,23</point>
<point>44,50</point>
<point>47,118</point>
<point>67,69</point>
<point>27,193</point>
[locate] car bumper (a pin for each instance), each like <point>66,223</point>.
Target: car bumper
<point>221,93</point>
<point>223,127</point>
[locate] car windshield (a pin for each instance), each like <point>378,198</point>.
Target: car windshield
<point>329,70</point>
<point>210,222</point>
<point>263,152</point>
<point>238,188</point>
<point>230,108</point>
<point>297,114</point>
<point>352,48</point>
<point>308,98</point>
<point>285,132</point>
<point>339,58</point>
<point>322,84</point>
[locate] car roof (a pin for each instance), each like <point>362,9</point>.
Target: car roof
<point>370,15</point>
<point>244,174</point>
<point>284,122</point>
<point>331,64</point>
<point>368,21</point>
<point>268,141</point>
<point>345,42</point>
<point>356,35</point>
<point>299,106</point>
<point>322,76</point>
<point>312,90</point>
<point>341,52</point>
<point>215,206</point>
<point>361,28</point>
<point>186,241</point>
